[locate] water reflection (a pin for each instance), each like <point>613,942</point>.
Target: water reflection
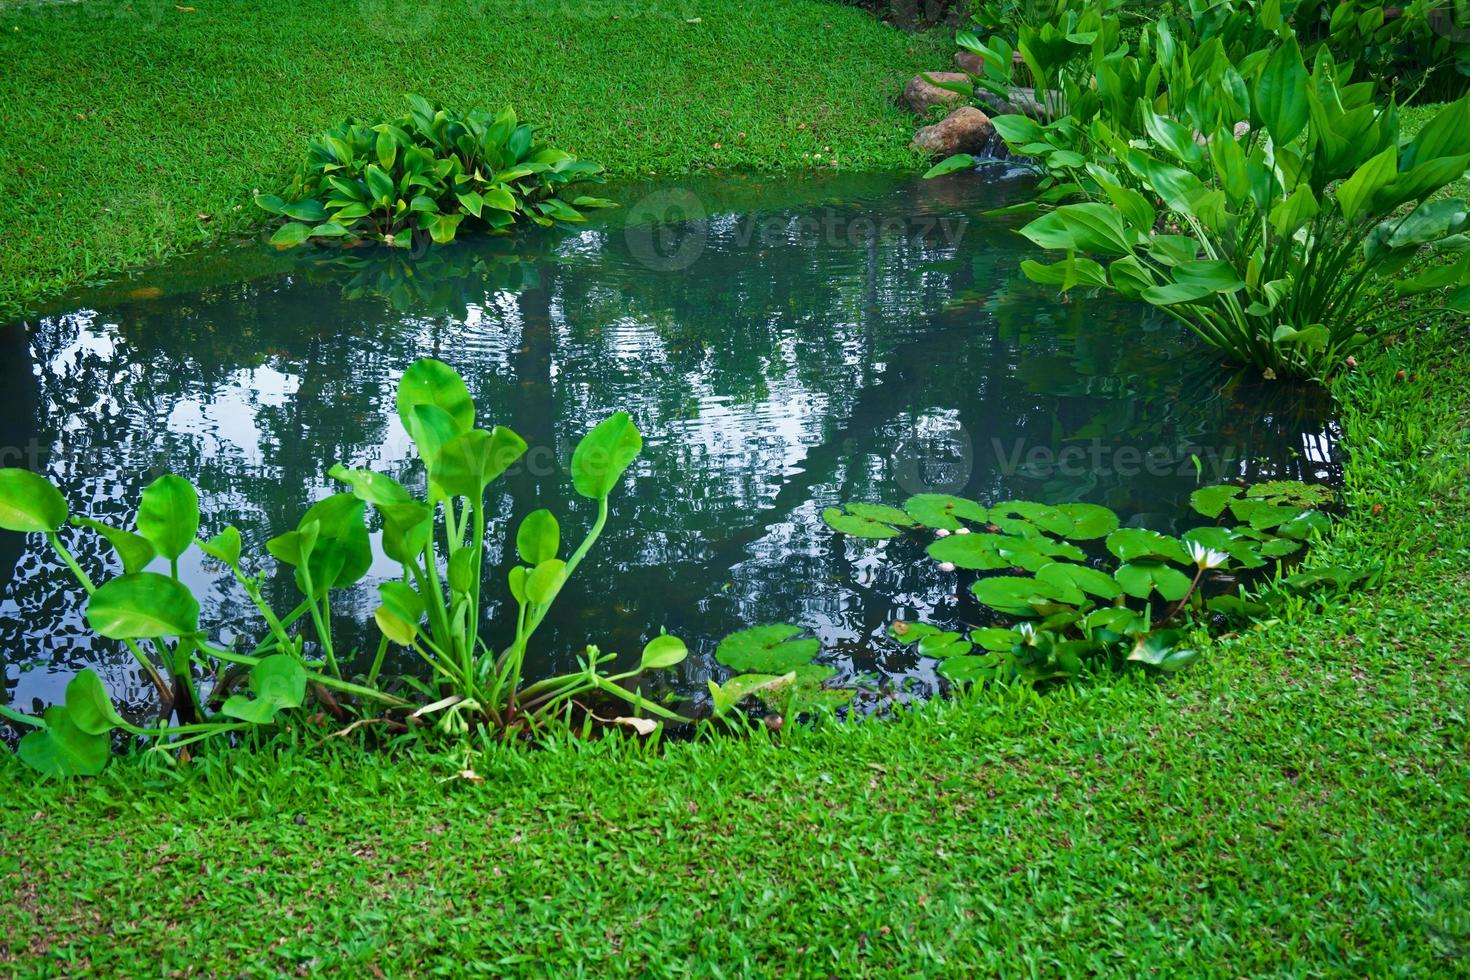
<point>830,339</point>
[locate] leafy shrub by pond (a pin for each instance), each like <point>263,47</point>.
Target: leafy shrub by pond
<point>435,534</point>
<point>1089,593</point>
<point>1253,200</point>
<point>428,173</point>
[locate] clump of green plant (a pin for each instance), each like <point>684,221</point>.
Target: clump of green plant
<point>1088,593</point>
<point>427,173</point>
<point>436,535</point>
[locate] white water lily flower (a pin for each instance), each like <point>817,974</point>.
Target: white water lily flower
<point>963,530</point>
<point>1205,557</point>
<point>946,566</point>
<point>1028,633</point>
<point>941,533</point>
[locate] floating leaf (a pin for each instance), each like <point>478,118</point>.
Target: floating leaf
<point>1135,542</point>
<point>971,669</point>
<point>1081,577</point>
<point>738,688</point>
<point>977,551</point>
<point>1026,517</point>
<point>769,649</point>
<point>29,503</point>
<point>943,511</point>
<point>1142,577</point>
<point>1089,520</point>
<point>995,638</point>
<point>1162,649</point>
<point>1211,501</point>
<point>1015,596</point>
<point>1293,492</point>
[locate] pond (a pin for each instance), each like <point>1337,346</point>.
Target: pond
<point>783,345</point>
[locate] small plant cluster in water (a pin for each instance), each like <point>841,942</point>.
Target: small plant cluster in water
<point>426,174</point>
<point>434,534</point>
<point>1089,593</point>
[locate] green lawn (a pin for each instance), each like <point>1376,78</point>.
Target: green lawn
<point>1294,804</point>
<point>126,120</point>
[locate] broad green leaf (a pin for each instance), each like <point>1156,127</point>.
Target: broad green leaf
<point>771,648</point>
<point>431,382</point>
<point>943,511</point>
<point>1134,542</point>
<point>970,669</point>
<point>663,651</point>
<point>728,695</point>
<point>995,638</point>
<point>604,455</point>
<point>1355,194</point>
<point>291,235</point>
<point>1142,577</point>
<point>951,164</point>
<point>30,503</point>
<point>1211,501</point>
<point>1162,649</point>
<point>397,629</point>
<point>1080,577</point>
<point>224,546</point>
<point>278,682</point>
<point>471,461</point>
<point>134,550</point>
<point>539,537</point>
<point>1017,596</point>
<point>1088,520</point>
<point>62,749</point>
<point>1280,97</point>
<point>976,551</point>
<point>143,606</point>
<point>89,706</point>
<point>168,515</point>
<point>545,580</point>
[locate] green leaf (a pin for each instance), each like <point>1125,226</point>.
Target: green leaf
<point>975,551</point>
<point>62,749</point>
<point>663,651</point>
<point>1143,577</point>
<point>89,706</point>
<point>1280,97</point>
<point>1161,649</point>
<point>970,669</point>
<point>1355,195</point>
<point>767,648</point>
<point>224,546</point>
<point>1017,596</point>
<point>169,515</point>
<point>545,581</point>
<point>604,454</point>
<point>1135,542</point>
<point>431,382</point>
<point>539,537</point>
<point>30,503</point>
<point>397,629</point>
<point>995,638</point>
<point>951,164</point>
<point>1211,501</point>
<point>278,682</point>
<point>471,461</point>
<point>1080,577</point>
<point>728,695</point>
<point>943,511</point>
<point>1088,520</point>
<point>291,235</point>
<point>134,550</point>
<point>143,606</point>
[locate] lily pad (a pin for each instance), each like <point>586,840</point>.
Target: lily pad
<point>970,669</point>
<point>976,551</point>
<point>1143,577</point>
<point>1016,596</point>
<point>1212,501</point>
<point>1089,521</point>
<point>1135,542</point>
<point>943,511</point>
<point>768,649</point>
<point>1027,517</point>
<point>862,525</point>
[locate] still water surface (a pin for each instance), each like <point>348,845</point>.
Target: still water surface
<point>790,345</point>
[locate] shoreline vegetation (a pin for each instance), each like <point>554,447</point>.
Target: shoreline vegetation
<point>149,138</point>
<point>1295,802</point>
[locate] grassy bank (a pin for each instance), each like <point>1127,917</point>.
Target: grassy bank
<point>138,128</point>
<point>1294,804</point>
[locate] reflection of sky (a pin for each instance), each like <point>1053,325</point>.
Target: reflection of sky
<point>772,378</point>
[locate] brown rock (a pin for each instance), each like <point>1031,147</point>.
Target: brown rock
<point>970,62</point>
<point>965,130</point>
<point>919,95</point>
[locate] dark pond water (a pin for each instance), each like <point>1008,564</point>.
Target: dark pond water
<point>791,345</point>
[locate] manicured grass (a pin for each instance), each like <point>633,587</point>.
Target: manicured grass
<point>125,121</point>
<point>1295,804</point>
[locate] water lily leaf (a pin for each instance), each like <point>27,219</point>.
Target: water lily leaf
<point>1264,515</point>
<point>995,638</point>
<point>1211,501</point>
<point>1162,649</point>
<point>604,455</point>
<point>1301,527</point>
<point>1293,492</point>
<point>977,551</point>
<point>142,606</point>
<point>1035,553</point>
<point>1080,577</point>
<point>134,550</point>
<point>63,749</point>
<point>1135,542</point>
<point>278,682</point>
<point>1025,516</point>
<point>1089,520</point>
<point>770,649</point>
<point>1237,607</point>
<point>1142,577</point>
<point>806,692</point>
<point>738,688</point>
<point>663,651</point>
<point>906,632</point>
<point>168,515</point>
<point>1016,596</point>
<point>1241,549</point>
<point>943,511</point>
<point>1115,619</point>
<point>29,503</point>
<point>970,669</point>
<point>89,706</point>
<point>858,525</point>
<point>539,537</point>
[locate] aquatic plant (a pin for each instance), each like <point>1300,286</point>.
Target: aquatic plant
<point>436,535</point>
<point>1075,592</point>
<point>426,173</point>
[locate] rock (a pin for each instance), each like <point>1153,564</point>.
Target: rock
<point>919,95</point>
<point>969,62</point>
<point>1020,102</point>
<point>965,130</point>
